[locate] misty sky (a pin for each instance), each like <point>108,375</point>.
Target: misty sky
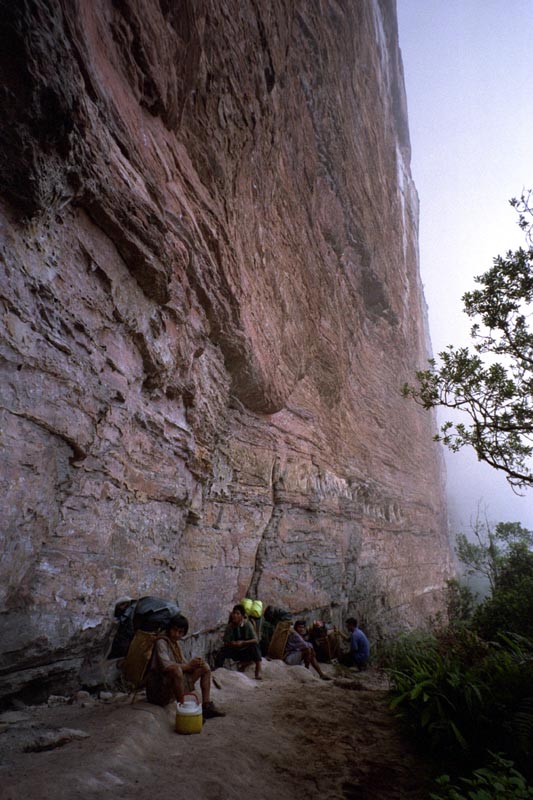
<point>469,79</point>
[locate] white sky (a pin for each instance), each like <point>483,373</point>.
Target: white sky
<point>469,80</point>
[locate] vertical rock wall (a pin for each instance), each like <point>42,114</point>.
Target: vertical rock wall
<point>209,301</point>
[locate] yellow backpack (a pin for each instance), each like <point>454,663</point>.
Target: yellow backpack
<point>247,604</point>
<point>254,608</point>
<point>257,609</point>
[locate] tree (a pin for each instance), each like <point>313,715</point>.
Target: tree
<point>479,551</point>
<point>509,609</point>
<point>493,384</point>
<point>460,603</point>
<point>495,552</point>
<point>504,555</point>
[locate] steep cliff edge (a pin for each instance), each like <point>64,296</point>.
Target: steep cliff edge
<point>210,299</point>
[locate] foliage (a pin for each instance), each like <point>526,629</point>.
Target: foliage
<point>389,653</point>
<point>479,552</point>
<point>507,611</point>
<point>461,696</point>
<point>510,607</point>
<point>467,688</point>
<point>508,672</point>
<point>511,533</point>
<point>504,557</point>
<point>495,393</point>
<point>519,727</point>
<point>498,781</point>
<point>438,693</point>
<point>460,603</point>
<point>489,551</point>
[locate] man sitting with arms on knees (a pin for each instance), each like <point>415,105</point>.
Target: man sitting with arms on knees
<point>298,651</point>
<point>170,677</point>
<point>240,642</point>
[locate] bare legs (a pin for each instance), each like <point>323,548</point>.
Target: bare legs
<point>200,672</point>
<point>309,659</point>
<point>244,664</point>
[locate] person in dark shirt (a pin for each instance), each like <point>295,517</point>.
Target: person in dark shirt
<point>240,642</point>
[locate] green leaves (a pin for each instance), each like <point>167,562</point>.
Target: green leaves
<point>495,393</point>
<point>460,695</point>
<point>464,696</point>
<point>435,694</point>
<point>498,781</point>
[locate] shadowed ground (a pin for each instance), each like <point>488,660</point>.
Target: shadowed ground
<point>291,736</point>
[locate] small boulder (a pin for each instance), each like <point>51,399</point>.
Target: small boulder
<point>50,739</point>
<point>57,700</point>
<point>83,698</point>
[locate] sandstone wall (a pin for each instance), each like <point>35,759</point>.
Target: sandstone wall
<point>210,299</point>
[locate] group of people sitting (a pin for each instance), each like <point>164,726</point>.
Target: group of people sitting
<point>301,648</point>
<point>170,676</point>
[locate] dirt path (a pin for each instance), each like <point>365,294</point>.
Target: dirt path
<point>289,737</point>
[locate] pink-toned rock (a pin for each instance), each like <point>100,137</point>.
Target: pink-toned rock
<point>210,300</point>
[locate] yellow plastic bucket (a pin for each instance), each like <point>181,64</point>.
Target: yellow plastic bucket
<point>189,715</point>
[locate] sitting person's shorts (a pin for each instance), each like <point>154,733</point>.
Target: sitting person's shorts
<point>297,656</point>
<point>294,658</point>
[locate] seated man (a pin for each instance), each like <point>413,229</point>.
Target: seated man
<point>298,651</point>
<point>240,642</point>
<point>359,652</point>
<point>170,677</point>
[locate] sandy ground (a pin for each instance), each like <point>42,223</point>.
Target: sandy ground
<point>288,737</point>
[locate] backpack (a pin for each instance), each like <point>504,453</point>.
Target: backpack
<point>276,648</point>
<point>153,613</point>
<point>273,614</point>
<point>135,665</point>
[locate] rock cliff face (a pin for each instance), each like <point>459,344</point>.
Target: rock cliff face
<point>210,299</point>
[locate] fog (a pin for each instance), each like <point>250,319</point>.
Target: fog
<point>468,73</point>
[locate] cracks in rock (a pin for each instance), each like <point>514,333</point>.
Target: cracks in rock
<point>261,555</point>
<point>351,568</point>
<point>270,73</point>
<point>79,453</point>
<point>139,247</point>
<point>269,531</point>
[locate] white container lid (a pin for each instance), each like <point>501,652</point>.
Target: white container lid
<point>188,708</point>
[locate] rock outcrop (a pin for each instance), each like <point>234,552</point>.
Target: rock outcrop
<point>210,299</point>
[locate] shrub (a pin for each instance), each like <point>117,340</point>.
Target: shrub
<point>510,608</point>
<point>460,603</point>
<point>439,697</point>
<point>498,781</point>
<point>462,696</point>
